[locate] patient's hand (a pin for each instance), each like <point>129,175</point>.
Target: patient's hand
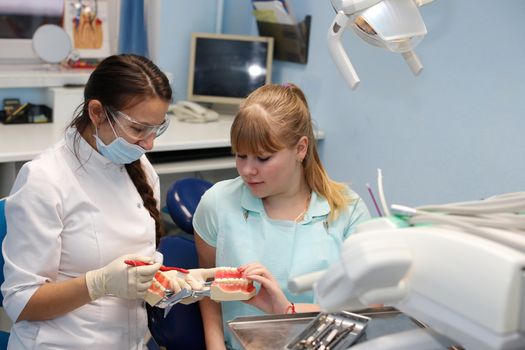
<point>270,298</point>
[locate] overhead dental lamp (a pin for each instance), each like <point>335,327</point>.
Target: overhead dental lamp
<point>395,25</point>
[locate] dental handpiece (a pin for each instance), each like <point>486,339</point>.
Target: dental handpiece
<point>328,339</point>
<point>340,336</point>
<point>319,331</point>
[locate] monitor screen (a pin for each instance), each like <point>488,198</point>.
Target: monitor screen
<point>227,68</point>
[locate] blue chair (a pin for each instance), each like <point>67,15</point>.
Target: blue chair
<point>3,231</point>
<point>182,328</point>
<point>182,199</point>
<point>4,336</point>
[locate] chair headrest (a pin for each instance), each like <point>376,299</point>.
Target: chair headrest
<point>182,199</point>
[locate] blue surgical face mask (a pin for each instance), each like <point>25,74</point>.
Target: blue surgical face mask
<point>119,151</point>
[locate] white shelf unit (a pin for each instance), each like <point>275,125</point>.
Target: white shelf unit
<point>41,76</point>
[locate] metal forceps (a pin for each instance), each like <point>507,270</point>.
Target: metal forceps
<point>171,298</point>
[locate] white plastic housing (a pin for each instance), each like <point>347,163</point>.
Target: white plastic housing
<point>466,287</point>
<point>398,24</point>
<point>351,6</point>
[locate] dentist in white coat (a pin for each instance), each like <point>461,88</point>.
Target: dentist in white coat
<point>81,208</point>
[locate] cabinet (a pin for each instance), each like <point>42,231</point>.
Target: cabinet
<point>64,101</point>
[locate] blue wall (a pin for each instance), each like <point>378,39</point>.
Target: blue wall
<point>179,20</point>
<point>452,133</point>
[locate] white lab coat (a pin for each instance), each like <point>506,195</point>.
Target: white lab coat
<point>65,218</point>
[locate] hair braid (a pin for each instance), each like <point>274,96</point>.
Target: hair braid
<point>137,175</point>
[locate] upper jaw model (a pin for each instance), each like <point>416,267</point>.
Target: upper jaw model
<point>230,285</point>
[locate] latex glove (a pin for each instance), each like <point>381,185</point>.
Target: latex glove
<point>177,280</point>
<point>121,280</point>
<point>191,281</point>
<point>197,277</point>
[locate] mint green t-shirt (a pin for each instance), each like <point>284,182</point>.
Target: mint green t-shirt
<point>234,221</point>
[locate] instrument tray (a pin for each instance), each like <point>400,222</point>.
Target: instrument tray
<point>274,332</point>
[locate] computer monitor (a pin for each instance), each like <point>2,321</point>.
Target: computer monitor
<point>224,68</point>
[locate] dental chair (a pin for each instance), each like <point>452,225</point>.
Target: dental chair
<point>182,199</point>
<point>182,327</point>
<point>5,322</point>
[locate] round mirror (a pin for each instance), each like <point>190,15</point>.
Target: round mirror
<point>51,43</point>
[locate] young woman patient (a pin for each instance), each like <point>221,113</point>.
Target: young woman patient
<point>281,218</point>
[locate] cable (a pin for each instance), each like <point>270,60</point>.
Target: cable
<point>514,202</point>
<point>381,192</point>
<point>504,237</point>
<point>496,218</point>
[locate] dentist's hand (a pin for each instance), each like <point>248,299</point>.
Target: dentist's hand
<point>177,280</point>
<point>121,280</point>
<point>191,281</point>
<point>197,277</point>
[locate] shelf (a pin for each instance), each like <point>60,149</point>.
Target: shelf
<point>34,76</point>
<point>195,165</point>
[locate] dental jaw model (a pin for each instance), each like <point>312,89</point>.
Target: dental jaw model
<point>157,291</point>
<point>230,285</point>
<point>160,288</point>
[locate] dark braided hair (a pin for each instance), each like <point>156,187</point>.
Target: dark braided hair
<point>120,82</point>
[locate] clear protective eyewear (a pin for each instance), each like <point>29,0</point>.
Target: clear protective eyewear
<point>136,130</point>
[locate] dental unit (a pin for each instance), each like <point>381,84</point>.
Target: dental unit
<point>458,268</point>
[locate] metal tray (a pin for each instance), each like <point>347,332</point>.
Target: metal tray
<point>271,332</point>
<point>274,332</point>
<point>348,327</point>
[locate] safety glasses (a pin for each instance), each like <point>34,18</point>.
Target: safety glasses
<point>136,130</point>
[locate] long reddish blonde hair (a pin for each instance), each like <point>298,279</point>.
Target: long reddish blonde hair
<point>275,117</point>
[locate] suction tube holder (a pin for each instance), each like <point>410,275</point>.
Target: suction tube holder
<point>337,51</point>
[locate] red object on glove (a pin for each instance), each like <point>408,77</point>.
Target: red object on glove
<point>162,268</point>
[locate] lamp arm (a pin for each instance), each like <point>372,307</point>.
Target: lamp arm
<point>413,62</point>
<point>337,51</point>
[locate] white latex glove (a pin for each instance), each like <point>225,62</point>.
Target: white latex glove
<point>177,281</point>
<point>197,277</point>
<point>192,281</point>
<point>121,280</point>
